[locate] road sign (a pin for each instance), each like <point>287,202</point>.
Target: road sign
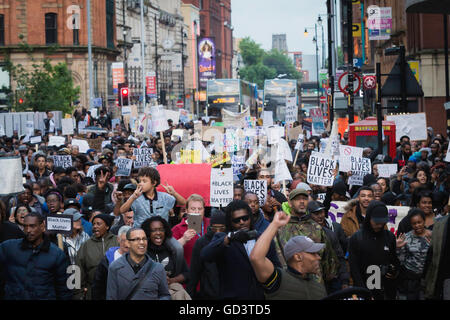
<point>343,83</point>
<point>323,99</point>
<point>369,82</point>
<point>329,91</point>
<point>180,104</point>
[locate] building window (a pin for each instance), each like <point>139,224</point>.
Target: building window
<point>110,24</point>
<point>76,31</point>
<point>50,28</point>
<point>2,30</point>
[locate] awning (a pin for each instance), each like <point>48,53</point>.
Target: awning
<point>428,6</point>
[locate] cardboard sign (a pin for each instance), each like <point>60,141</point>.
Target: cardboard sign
<point>123,167</point>
<point>294,132</point>
<point>259,187</point>
<point>194,221</point>
<point>218,159</point>
<point>67,126</point>
<point>412,125</point>
<point>159,120</point>
<point>11,173</point>
<point>35,139</point>
<point>62,161</point>
<point>59,223</point>
<point>187,179</point>
<point>221,187</point>
<point>82,145</point>
<point>386,170</point>
<point>350,151</point>
<point>320,170</point>
<point>396,214</point>
<point>96,143</point>
<point>291,110</point>
<point>143,157</point>
<point>56,141</point>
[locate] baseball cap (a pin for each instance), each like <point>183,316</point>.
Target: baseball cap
<point>378,212</point>
<point>303,186</point>
<point>297,192</point>
<point>129,186</point>
<point>301,244</point>
<point>74,212</point>
<point>72,202</point>
<point>314,206</point>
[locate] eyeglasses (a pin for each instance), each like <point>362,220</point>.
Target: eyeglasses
<point>243,218</point>
<point>157,230</point>
<point>138,239</point>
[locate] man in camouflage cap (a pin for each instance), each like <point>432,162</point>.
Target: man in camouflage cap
<point>301,224</point>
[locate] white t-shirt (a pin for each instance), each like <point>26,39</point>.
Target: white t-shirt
<point>117,255</point>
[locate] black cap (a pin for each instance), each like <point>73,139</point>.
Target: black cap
<point>389,198</point>
<point>369,179</point>
<point>314,206</point>
<point>378,212</point>
<point>72,202</point>
<point>340,188</point>
<point>129,186</point>
<point>217,217</point>
<point>88,202</point>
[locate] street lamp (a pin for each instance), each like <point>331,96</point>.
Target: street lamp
<point>317,58</point>
<point>319,22</point>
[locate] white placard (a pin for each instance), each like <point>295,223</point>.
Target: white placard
<point>350,151</point>
<point>320,170</point>
<point>237,163</point>
<point>267,118</point>
<point>11,172</point>
<point>300,142</point>
<point>159,120</point>
<point>174,115</point>
<point>59,224</point>
<point>386,170</point>
<point>284,151</point>
<point>123,167</point>
<point>282,172</point>
<point>67,126</point>
<point>83,145</point>
<point>221,192</point>
<point>274,134</point>
<point>354,164</point>
<point>29,126</point>
<point>56,141</point>
<point>62,161</point>
<point>143,157</point>
<point>126,110</point>
<point>412,125</point>
<point>35,139</point>
<point>291,110</point>
<point>259,187</point>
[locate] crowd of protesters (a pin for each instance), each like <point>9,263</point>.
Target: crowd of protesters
<point>130,241</point>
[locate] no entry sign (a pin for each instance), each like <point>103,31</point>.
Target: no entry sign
<point>343,83</point>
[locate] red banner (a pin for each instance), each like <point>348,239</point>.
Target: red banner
<point>151,83</point>
<point>187,179</point>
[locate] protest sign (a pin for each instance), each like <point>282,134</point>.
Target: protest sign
<point>143,157</point>
<point>218,159</point>
<point>173,115</point>
<point>11,173</point>
<point>67,126</point>
<point>114,123</point>
<point>293,133</point>
<point>231,143</point>
<point>283,151</point>
<point>359,167</point>
<point>159,120</point>
<point>274,134</point>
<point>396,214</point>
<point>105,143</point>
<point>35,139</point>
<point>82,145</point>
<point>56,141</point>
<point>123,167</point>
<point>237,163</point>
<point>300,142</point>
<point>267,118</point>
<point>237,120</point>
<point>62,161</point>
<point>141,125</point>
<point>350,151</point>
<point>126,110</point>
<point>291,110</point>
<point>282,172</point>
<point>96,143</point>
<point>386,170</point>
<point>190,156</point>
<point>184,116</point>
<point>412,125</point>
<point>318,126</point>
<point>320,170</point>
<point>29,126</point>
<point>187,179</point>
<point>221,192</point>
<point>59,223</point>
<point>321,197</point>
<point>259,187</point>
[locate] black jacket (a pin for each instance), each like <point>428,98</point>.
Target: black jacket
<point>367,248</point>
<point>172,265</point>
<point>205,272</point>
<point>343,270</point>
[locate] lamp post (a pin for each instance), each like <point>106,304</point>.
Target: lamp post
<point>320,23</point>
<point>317,58</point>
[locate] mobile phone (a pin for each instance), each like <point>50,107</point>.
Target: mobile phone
<point>194,221</point>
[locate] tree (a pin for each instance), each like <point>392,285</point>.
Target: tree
<point>43,86</point>
<point>282,64</point>
<point>257,74</point>
<point>251,52</point>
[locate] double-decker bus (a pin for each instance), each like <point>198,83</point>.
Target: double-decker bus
<point>233,95</point>
<point>276,91</point>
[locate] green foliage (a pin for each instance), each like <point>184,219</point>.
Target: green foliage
<point>43,86</point>
<point>261,65</point>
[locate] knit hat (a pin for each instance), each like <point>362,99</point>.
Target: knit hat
<point>106,218</point>
<point>217,217</point>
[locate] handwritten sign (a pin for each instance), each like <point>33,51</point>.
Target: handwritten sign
<point>218,159</point>
<point>237,163</point>
<point>123,167</point>
<point>67,126</point>
<point>56,141</point>
<point>221,192</point>
<point>159,121</point>
<point>62,161</point>
<point>291,110</point>
<point>386,170</point>
<point>259,187</point>
<point>35,139</point>
<point>300,142</point>
<point>83,145</point>
<point>59,223</point>
<point>320,170</point>
<point>143,157</point>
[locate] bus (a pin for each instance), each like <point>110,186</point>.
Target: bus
<point>275,93</point>
<point>233,95</point>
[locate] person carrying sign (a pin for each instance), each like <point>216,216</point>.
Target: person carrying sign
<point>34,268</point>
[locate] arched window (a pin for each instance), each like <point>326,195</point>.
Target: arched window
<point>51,34</point>
<point>2,30</point>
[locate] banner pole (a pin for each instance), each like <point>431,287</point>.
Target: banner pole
<point>163,147</point>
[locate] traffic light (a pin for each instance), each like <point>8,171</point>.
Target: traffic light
<point>20,101</point>
<point>124,96</point>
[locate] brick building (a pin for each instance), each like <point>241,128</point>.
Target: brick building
<point>45,23</point>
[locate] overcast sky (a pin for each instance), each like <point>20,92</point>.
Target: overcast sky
<point>259,19</point>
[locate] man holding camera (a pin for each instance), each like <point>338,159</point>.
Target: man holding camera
<point>372,254</point>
